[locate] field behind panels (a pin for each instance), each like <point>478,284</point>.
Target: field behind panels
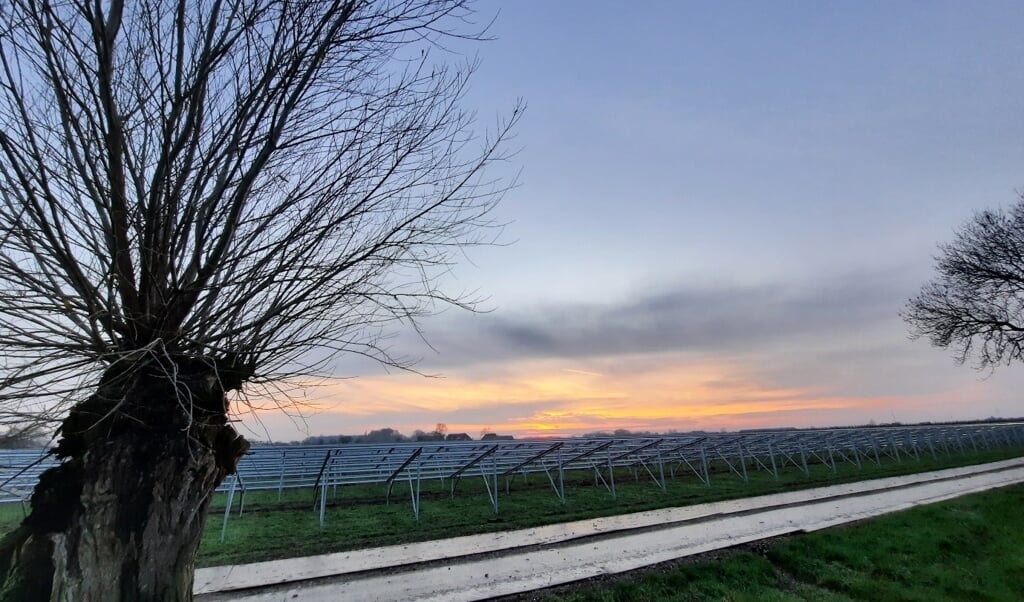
<point>705,457</point>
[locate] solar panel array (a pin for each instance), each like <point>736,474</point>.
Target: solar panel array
<point>325,468</point>
<point>280,468</point>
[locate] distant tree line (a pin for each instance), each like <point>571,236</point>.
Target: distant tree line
<point>620,433</point>
<point>390,435</point>
<point>629,433</point>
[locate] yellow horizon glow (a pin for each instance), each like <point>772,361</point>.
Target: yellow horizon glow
<point>555,398</point>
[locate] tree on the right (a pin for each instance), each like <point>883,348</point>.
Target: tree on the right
<point>975,304</point>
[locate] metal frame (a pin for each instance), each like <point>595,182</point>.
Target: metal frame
<point>325,469</point>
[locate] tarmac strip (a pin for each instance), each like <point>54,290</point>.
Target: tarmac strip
<point>482,566</point>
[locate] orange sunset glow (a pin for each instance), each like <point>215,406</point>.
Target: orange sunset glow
<point>549,399</point>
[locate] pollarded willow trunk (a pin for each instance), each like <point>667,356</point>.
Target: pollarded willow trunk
<point>121,518</point>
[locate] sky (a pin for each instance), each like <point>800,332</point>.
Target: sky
<point>722,208</point>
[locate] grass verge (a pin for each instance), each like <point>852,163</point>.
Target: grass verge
<point>969,548</point>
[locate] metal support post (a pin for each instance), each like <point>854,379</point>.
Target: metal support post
<point>611,474</point>
<point>323,503</point>
<point>280,479</point>
<point>561,478</point>
<point>704,465</point>
<point>743,464</point>
<point>895,448</point>
<point>227,509</point>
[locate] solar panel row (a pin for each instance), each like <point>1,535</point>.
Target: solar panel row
<point>282,468</point>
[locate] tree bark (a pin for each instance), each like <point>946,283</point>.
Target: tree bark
<point>122,517</point>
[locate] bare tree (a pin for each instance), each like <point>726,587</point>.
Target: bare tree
<point>200,197</point>
<point>976,303</point>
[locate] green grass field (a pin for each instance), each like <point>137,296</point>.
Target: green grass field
<point>968,549</point>
<point>357,516</point>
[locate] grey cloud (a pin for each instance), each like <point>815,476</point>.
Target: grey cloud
<point>682,318</point>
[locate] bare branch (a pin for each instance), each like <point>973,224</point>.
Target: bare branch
<point>271,182</point>
<point>976,303</point>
